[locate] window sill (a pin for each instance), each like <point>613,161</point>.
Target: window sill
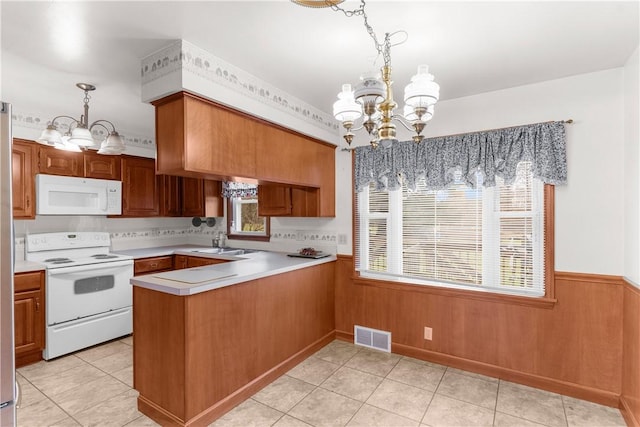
<point>248,237</point>
<point>538,302</point>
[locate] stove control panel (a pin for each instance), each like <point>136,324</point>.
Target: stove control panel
<point>66,240</point>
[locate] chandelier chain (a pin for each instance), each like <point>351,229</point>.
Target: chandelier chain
<point>383,49</point>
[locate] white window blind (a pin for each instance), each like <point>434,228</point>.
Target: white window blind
<point>482,238</point>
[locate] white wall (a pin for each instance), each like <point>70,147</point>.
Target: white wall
<point>631,171</point>
<point>589,210</point>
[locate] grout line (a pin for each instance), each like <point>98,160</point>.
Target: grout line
<point>495,407</point>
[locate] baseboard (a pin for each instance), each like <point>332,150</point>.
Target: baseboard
<point>627,413</point>
<point>158,414</point>
<point>545,383</point>
<point>29,358</point>
<point>223,406</point>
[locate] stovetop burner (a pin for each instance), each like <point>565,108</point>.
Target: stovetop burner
<point>104,256</point>
<point>58,260</point>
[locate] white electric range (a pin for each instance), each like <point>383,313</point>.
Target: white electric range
<point>88,294</point>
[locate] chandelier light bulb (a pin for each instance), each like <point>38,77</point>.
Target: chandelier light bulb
<point>411,115</point>
<point>81,136</point>
<point>422,91</point>
<point>50,136</point>
<point>369,93</point>
<point>346,109</point>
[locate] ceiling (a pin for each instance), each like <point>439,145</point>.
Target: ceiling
<point>470,47</point>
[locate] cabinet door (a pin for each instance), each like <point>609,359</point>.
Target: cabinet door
<point>179,262</point>
<point>198,261</point>
<point>59,162</point>
<point>29,322</point>
<point>274,200</point>
<point>213,200</point>
<point>140,195</point>
<point>169,195</point>
<point>29,306</point>
<point>192,197</point>
<point>23,187</point>
<point>101,166</point>
<point>152,265</point>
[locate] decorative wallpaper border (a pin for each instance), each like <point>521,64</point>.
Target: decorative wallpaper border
<point>157,233</point>
<point>284,235</point>
<point>305,236</point>
<point>35,121</point>
<point>182,56</point>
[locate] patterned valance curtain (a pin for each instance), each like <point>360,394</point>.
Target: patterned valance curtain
<point>441,160</point>
<point>238,189</point>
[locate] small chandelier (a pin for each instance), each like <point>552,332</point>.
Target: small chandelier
<point>373,96</point>
<point>78,137</point>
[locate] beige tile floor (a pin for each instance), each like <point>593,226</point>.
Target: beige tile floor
<point>340,385</point>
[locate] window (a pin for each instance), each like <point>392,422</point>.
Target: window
<point>243,221</point>
<point>462,237</point>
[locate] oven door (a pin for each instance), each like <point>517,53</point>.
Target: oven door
<point>84,290</point>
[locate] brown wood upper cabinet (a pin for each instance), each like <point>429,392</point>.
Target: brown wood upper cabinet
<point>52,161</point>
<point>101,166</point>
<point>196,137</point>
<point>23,186</point>
<point>187,197</point>
<point>140,189</point>
<point>282,200</point>
<point>88,164</point>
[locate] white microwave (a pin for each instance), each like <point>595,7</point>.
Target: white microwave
<point>68,195</point>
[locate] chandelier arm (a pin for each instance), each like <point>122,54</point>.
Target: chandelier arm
<point>358,128</point>
<point>53,121</point>
<point>99,123</point>
<point>403,121</point>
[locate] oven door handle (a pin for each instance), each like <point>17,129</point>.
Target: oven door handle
<point>90,267</point>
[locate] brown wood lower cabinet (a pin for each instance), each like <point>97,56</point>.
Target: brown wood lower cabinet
<point>152,265</point>
<point>29,306</point>
<point>185,261</point>
<point>199,355</point>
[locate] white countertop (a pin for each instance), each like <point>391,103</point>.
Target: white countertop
<point>201,279</point>
<point>27,266</point>
<point>159,251</point>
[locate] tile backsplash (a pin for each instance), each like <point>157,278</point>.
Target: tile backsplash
<point>154,232</point>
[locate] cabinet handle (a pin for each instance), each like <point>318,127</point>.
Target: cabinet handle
<point>37,304</point>
<point>154,265</point>
<point>27,201</point>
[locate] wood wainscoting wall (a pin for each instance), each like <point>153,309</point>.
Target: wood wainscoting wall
<point>572,347</point>
<point>630,398</point>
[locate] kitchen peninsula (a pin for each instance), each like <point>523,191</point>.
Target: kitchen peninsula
<point>206,338</point>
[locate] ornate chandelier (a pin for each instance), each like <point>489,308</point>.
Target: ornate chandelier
<point>78,135</point>
<point>372,98</point>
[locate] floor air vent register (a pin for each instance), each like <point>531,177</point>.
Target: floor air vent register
<point>372,338</point>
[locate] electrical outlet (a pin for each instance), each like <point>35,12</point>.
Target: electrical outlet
<point>342,239</point>
<point>428,333</point>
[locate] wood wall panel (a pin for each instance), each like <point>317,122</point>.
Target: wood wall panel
<point>630,398</point>
<point>573,346</point>
<point>158,353</point>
